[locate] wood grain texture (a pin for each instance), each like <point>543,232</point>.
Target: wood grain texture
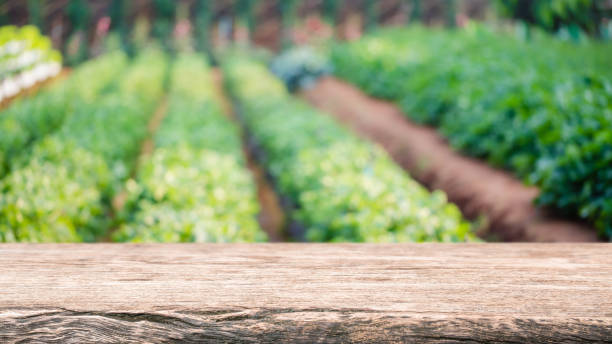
<point>414,293</point>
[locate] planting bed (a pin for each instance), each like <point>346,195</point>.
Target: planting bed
<point>341,188</point>
<point>60,189</point>
<point>194,186</point>
<point>271,216</point>
<point>478,189</point>
<point>149,149</point>
<point>541,108</point>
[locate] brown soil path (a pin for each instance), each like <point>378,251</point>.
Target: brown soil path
<point>146,149</point>
<point>478,189</point>
<point>271,216</point>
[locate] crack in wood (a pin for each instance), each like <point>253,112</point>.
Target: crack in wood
<point>264,325</point>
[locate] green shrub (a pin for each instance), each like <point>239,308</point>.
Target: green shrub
<point>62,191</point>
<point>541,108</point>
<point>28,120</point>
<point>343,189</point>
<point>195,186</point>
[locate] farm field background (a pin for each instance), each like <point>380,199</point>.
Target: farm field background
<point>190,121</point>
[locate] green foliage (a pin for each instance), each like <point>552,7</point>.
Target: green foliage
<point>35,13</point>
<point>119,11</point>
<point>344,189</point>
<point>204,13</point>
<point>288,10</point>
<point>195,186</point>
<point>371,14</point>
<point>541,108</point>
<point>450,12</point>
<point>56,197</point>
<point>553,15</point>
<point>244,11</point>
<point>78,13</point>
<point>28,120</point>
<point>165,13</point>
<point>416,13</point>
<point>185,194</point>
<point>61,192</point>
<point>330,9</point>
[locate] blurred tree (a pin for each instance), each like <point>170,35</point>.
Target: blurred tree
<point>78,14</point>
<point>288,10</point>
<point>117,15</point>
<point>331,8</point>
<point>451,13</point>
<point>118,12</point>
<point>554,15</point>
<point>35,13</point>
<point>203,18</point>
<point>244,11</point>
<point>163,24</point>
<point>371,14</point>
<point>416,14</point>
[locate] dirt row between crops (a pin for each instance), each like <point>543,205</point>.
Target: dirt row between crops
<point>272,215</point>
<point>146,149</point>
<point>479,190</point>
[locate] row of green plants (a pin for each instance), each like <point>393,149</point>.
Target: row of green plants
<point>541,108</point>
<point>195,186</point>
<point>61,191</point>
<point>341,188</point>
<point>28,120</point>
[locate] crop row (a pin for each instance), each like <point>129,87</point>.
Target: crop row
<point>195,185</point>
<point>541,108</point>
<point>343,188</point>
<point>62,190</point>
<point>28,120</point>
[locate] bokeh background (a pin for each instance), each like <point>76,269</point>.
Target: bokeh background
<point>313,120</point>
<point>77,27</point>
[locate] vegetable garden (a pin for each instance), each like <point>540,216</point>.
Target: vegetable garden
<point>136,145</point>
<point>407,142</point>
<point>542,109</point>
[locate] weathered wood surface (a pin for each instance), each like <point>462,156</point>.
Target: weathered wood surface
<point>429,293</point>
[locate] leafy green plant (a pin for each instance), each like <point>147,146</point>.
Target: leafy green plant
<point>62,190</point>
<point>79,15</point>
<point>195,185</point>
<point>541,108</point>
<point>344,189</point>
<point>163,25</point>
<point>28,120</point>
